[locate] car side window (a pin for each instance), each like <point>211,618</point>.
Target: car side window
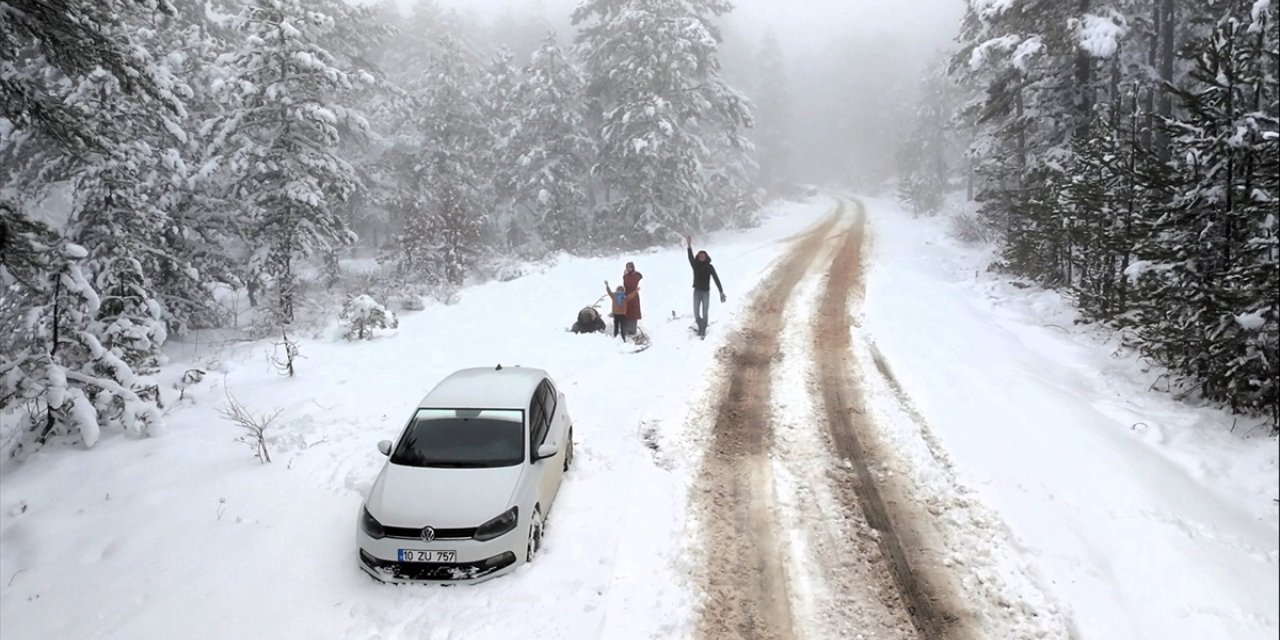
<point>549,399</point>
<point>537,425</point>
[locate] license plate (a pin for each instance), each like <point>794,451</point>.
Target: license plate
<point>418,555</point>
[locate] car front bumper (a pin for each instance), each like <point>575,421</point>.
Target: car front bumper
<point>452,572</point>
<point>476,561</point>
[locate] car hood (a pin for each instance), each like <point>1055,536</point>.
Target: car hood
<point>443,498</point>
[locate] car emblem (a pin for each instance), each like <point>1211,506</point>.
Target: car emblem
<point>428,534</point>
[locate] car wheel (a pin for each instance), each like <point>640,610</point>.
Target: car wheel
<point>568,452</point>
<point>535,534</point>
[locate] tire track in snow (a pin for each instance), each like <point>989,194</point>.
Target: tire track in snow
<point>747,595</point>
<point>840,582</point>
<point>813,525</point>
<point>925,587</point>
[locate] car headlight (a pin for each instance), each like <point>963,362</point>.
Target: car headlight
<point>499,525</point>
<point>372,526</point>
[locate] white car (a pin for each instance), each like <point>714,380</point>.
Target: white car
<point>466,489</point>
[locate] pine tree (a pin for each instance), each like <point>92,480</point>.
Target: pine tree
<point>772,98</point>
<point>441,234</point>
<point>362,314</point>
<point>549,151</point>
<point>188,247</point>
<point>1212,257</point>
<point>85,100</point>
<point>924,162</point>
<point>662,110</point>
<point>498,108</point>
<point>83,41</point>
<point>66,381</point>
<point>278,142</point>
<point>1039,68</point>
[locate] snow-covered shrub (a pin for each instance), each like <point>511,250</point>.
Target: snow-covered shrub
<point>968,227</point>
<point>408,302</point>
<point>57,374</point>
<point>508,272</point>
<point>285,364</point>
<point>362,314</point>
<point>255,426</point>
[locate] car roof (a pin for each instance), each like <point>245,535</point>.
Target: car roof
<point>485,388</point>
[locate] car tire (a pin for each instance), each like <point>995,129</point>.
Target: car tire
<point>536,525</point>
<point>568,452</point>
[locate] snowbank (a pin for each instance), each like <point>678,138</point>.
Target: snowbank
<point>1146,517</point>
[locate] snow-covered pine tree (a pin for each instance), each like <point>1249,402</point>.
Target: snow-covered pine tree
<point>446,224</point>
<point>771,95</point>
<point>416,41</point>
<point>65,381</point>
<point>361,35</point>
<point>1114,186</point>
<point>188,253</point>
<point>731,197</point>
<point>1208,268</point>
<point>117,215</point>
<point>1037,67</point>
<point>1095,219</point>
<point>278,141</point>
<point>924,159</point>
<point>362,314</point>
<point>498,106</point>
<point>384,158</point>
<point>549,150</point>
<point>662,111</point>
<point>120,228</point>
<point>46,42</point>
<point>84,99</point>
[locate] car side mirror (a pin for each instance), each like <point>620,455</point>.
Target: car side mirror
<point>385,447</point>
<point>547,451</point>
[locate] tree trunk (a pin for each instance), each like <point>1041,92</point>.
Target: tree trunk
<point>50,421</point>
<point>1084,85</point>
<point>1167,49</point>
<point>1153,56</point>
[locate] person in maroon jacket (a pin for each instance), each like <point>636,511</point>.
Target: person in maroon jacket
<point>631,284</point>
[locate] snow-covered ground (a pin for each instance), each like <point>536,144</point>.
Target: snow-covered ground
<point>1143,517</point>
<point>187,536</point>
<point>1091,501</point>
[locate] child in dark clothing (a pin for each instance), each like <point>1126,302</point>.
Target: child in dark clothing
<point>619,298</point>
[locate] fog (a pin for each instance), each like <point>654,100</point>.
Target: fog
<point>851,70</point>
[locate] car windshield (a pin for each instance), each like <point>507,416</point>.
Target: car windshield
<point>462,438</point>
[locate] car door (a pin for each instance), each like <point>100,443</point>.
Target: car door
<point>565,420</point>
<point>560,421</point>
<point>551,468</point>
<point>532,480</point>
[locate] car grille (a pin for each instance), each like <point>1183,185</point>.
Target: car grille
<point>441,571</point>
<point>415,533</point>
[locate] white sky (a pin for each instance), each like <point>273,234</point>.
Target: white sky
<point>802,25</point>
